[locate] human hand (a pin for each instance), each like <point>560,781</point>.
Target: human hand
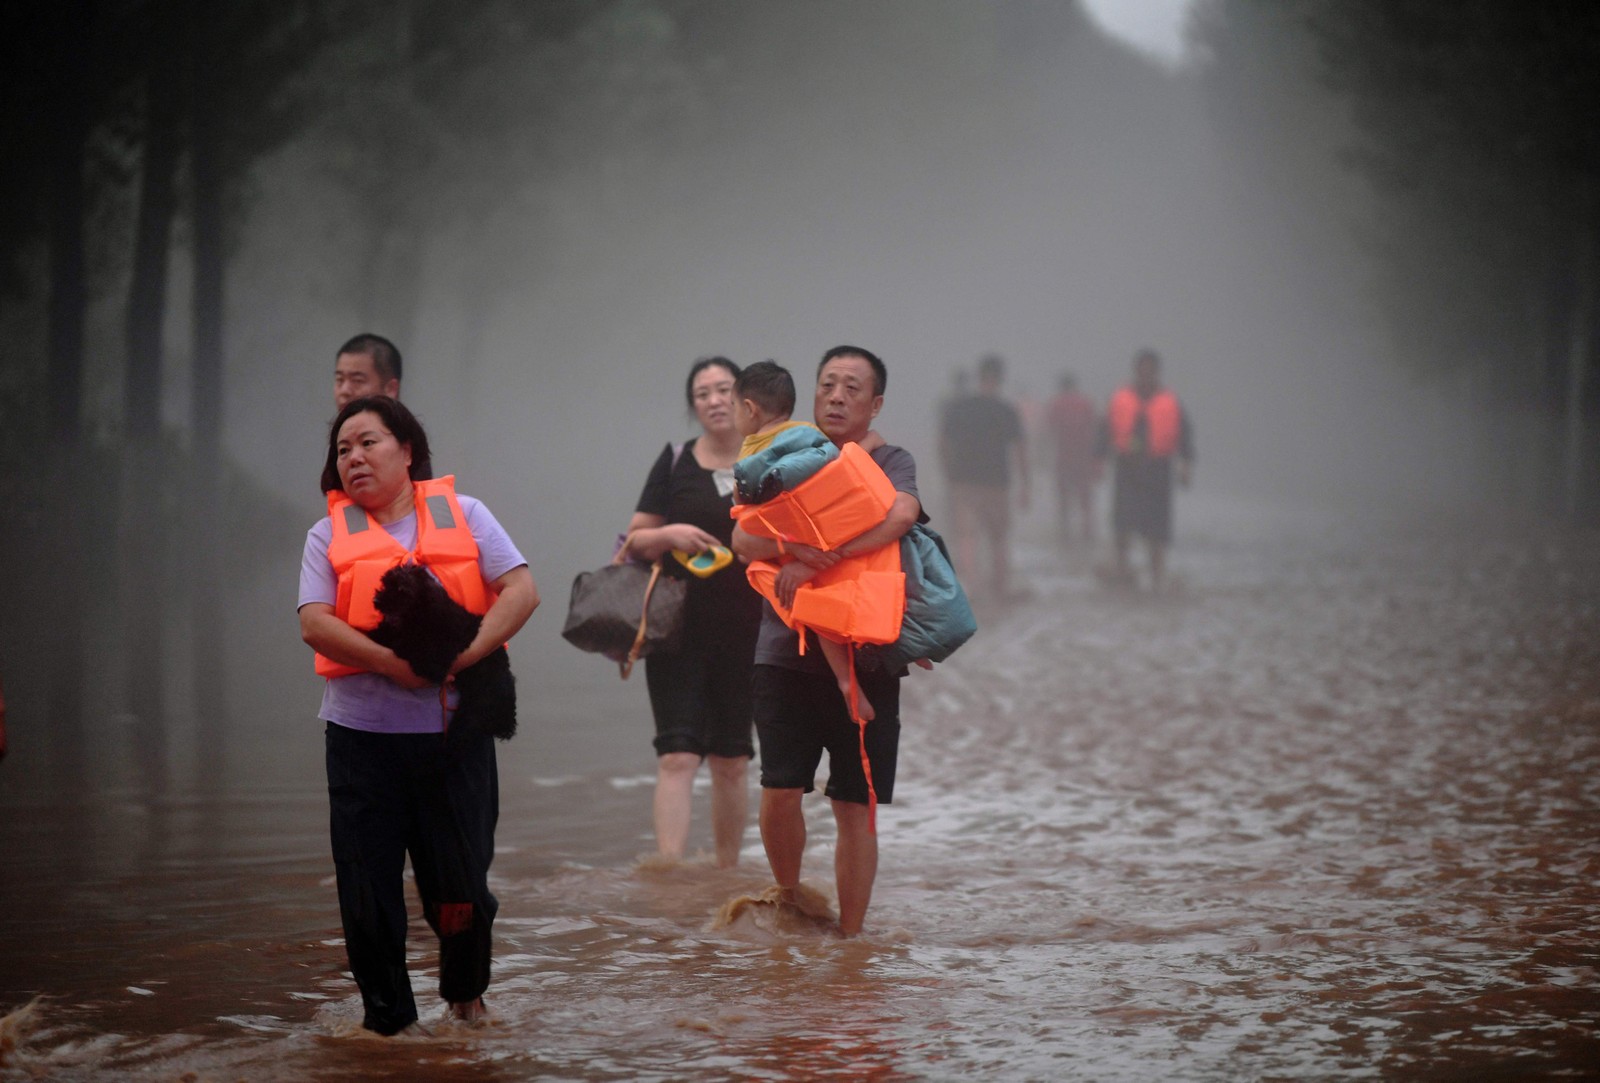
<point>924,663</point>
<point>688,537</point>
<point>791,577</point>
<point>812,557</point>
<point>400,672</point>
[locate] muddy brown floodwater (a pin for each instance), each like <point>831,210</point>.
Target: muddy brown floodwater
<point>1329,811</point>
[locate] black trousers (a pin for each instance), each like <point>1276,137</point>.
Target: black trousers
<point>390,794</point>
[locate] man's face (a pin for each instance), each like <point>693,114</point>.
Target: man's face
<point>355,376</point>
<point>847,399</point>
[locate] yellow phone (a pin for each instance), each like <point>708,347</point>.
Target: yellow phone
<point>705,564</point>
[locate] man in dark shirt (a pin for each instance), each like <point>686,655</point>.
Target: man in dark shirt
<point>799,710</point>
<point>981,442</point>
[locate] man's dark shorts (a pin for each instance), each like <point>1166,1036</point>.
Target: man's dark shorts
<point>798,715</point>
<point>701,700</point>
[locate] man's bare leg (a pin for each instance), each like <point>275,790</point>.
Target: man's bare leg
<point>855,863</point>
<point>730,803</point>
<point>783,834</point>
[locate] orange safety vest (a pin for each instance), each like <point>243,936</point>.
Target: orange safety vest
<point>1163,419</point>
<point>361,550</point>
<point>848,496</point>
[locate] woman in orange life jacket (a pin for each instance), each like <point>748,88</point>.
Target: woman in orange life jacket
<point>394,784</point>
<point>700,694</point>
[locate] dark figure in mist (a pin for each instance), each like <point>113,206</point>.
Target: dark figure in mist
<point>370,364</point>
<point>984,447</point>
<point>1072,423</point>
<point>700,694</point>
<point>395,785</point>
<point>1147,431</point>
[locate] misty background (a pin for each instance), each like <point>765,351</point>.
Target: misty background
<point>1361,235</point>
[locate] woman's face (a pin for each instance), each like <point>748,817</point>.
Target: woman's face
<point>374,467</point>
<point>712,394</point>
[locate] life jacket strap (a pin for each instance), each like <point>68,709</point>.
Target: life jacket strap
<point>861,733</point>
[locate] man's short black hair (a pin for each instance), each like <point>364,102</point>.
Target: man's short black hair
<point>385,355</point>
<point>880,374</point>
<point>991,366</point>
<point>769,385</point>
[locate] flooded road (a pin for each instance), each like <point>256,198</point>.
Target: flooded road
<point>1329,811</point>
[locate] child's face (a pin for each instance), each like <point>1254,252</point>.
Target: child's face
<point>746,418</point>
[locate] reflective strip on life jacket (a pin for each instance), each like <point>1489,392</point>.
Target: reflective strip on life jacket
<point>843,499</point>
<point>361,551</point>
<point>1163,419</point>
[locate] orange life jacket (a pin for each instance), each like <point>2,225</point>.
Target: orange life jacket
<point>861,599</point>
<point>846,497</point>
<point>361,550</point>
<point>1163,419</point>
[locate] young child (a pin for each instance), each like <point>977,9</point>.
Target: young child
<point>763,400</point>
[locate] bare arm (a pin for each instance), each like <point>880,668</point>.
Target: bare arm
<point>902,517</point>
<point>750,547</point>
<point>653,536</point>
<point>519,597</point>
<point>332,638</point>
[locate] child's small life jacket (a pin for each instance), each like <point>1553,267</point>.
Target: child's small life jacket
<point>859,600</point>
<point>844,498</point>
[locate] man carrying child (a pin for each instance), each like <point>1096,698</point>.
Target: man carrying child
<point>799,708</point>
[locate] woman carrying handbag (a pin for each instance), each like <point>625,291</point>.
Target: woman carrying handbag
<point>700,693</point>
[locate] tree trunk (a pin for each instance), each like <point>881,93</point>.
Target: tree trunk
<point>207,72</point>
<point>145,529</point>
<point>68,206</point>
<point>1579,334</point>
<point>147,292</point>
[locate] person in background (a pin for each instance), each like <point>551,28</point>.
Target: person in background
<point>799,710</point>
<point>983,446</point>
<point>1148,434</point>
<point>1072,423</point>
<point>396,785</point>
<point>368,364</point>
<point>700,695</point>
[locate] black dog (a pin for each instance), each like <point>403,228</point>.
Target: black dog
<point>428,628</point>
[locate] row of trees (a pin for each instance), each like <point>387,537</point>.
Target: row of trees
<point>135,130</point>
<point>132,124</point>
<point>1475,125</point>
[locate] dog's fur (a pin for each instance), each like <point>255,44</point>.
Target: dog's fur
<point>428,628</point>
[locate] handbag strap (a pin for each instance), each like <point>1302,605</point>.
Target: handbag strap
<point>626,665</point>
